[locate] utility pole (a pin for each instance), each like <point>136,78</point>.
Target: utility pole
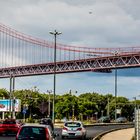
<point>135,102</point>
<point>116,53</point>
<point>13,99</point>
<point>3,113</point>
<point>49,103</point>
<point>73,113</point>
<point>10,101</point>
<point>115,93</point>
<point>108,108</point>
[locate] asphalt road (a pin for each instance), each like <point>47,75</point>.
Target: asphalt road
<point>92,131</point>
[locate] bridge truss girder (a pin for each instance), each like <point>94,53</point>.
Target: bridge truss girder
<point>101,64</point>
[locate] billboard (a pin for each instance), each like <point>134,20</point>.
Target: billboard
<point>5,105</point>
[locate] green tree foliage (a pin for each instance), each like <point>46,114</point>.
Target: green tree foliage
<point>4,93</point>
<point>66,105</point>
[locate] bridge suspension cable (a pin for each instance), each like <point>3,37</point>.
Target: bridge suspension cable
<point>18,49</point>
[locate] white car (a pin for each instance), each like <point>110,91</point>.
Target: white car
<point>73,129</point>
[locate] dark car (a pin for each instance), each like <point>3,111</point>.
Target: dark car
<point>35,132</point>
<point>47,121</point>
<point>104,119</point>
<point>121,120</point>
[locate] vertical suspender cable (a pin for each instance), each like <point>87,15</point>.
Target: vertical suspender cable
<point>60,54</point>
<point>9,46</point>
<point>0,47</point>
<point>3,50</point>
<point>14,39</point>
<point>21,51</point>
<point>12,49</point>
<point>79,53</point>
<point>6,56</point>
<point>69,53</point>
<point>19,63</point>
<point>23,62</point>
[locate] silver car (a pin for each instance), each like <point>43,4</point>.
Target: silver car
<point>73,129</point>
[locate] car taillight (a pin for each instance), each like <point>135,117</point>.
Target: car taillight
<point>18,133</point>
<point>79,129</point>
<point>47,134</point>
<point>64,128</point>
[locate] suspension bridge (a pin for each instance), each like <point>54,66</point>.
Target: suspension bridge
<point>24,55</point>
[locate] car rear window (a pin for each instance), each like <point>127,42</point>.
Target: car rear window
<point>72,124</point>
<point>9,122</point>
<point>37,133</point>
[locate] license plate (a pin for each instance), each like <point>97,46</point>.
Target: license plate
<point>72,134</point>
<point>70,131</point>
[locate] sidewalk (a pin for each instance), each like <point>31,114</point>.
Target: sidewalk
<point>124,134</point>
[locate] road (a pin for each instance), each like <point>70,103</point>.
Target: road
<point>92,131</point>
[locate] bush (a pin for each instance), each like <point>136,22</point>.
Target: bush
<point>31,120</point>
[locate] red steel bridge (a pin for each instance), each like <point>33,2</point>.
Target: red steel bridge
<point>24,55</point>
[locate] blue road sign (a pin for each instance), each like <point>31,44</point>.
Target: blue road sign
<point>24,111</point>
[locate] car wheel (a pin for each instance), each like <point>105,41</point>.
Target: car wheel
<point>62,137</point>
<point>83,137</point>
<point>6,134</point>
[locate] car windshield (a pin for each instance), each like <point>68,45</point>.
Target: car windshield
<point>37,133</point>
<point>72,124</point>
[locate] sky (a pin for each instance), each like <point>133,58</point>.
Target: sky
<point>87,23</point>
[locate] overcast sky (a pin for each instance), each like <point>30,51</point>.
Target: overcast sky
<point>88,23</point>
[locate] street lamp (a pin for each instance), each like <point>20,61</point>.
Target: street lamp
<point>55,33</point>
<point>73,108</point>
<point>108,114</point>
<point>102,113</point>
<point>49,91</point>
<point>135,102</point>
<point>116,53</point>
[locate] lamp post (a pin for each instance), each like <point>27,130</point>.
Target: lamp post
<point>102,113</point>
<point>73,108</point>
<point>14,99</point>
<point>10,103</point>
<point>116,53</point>
<point>135,99</point>
<point>108,114</point>
<point>49,108</point>
<point>115,93</point>
<point>55,33</point>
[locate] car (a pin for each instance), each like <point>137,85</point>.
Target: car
<point>35,132</point>
<point>73,129</point>
<point>104,119</point>
<point>9,126</point>
<point>47,121</point>
<point>121,120</point>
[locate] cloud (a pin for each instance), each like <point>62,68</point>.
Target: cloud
<point>111,23</point>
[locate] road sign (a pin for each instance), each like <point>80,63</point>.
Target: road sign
<point>43,107</point>
<point>24,111</point>
<point>118,111</point>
